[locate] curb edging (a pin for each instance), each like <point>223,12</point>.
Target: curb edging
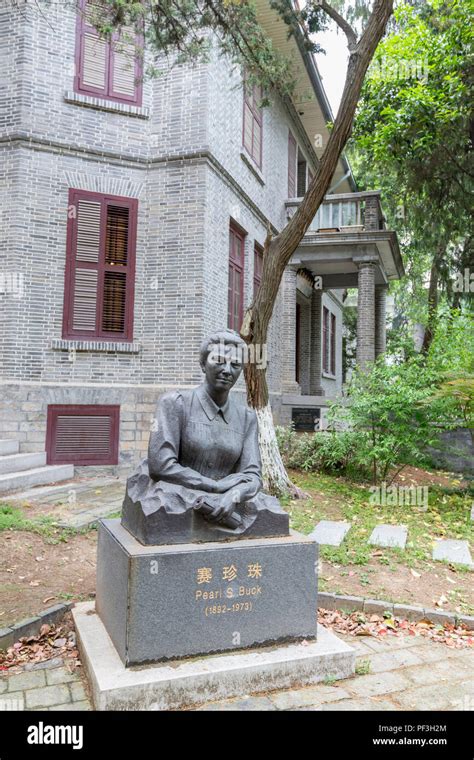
<point>31,626</point>
<point>379,606</point>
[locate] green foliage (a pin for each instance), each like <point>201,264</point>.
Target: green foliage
<point>327,451</point>
<point>387,407</point>
<point>413,139</point>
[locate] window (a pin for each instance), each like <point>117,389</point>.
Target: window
<point>236,278</point>
<point>298,342</point>
<point>301,175</point>
<point>292,153</point>
<point>257,267</point>
<point>100,267</point>
<point>329,342</point>
<point>106,67</point>
<point>82,435</point>
<point>252,126</point>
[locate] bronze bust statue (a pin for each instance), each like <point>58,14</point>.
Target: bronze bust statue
<point>202,479</point>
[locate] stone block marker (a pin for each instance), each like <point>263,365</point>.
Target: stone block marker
<point>330,532</point>
<point>453,551</point>
<point>389,536</point>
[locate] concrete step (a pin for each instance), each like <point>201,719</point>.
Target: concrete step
<point>8,447</point>
<point>19,462</point>
<point>38,476</point>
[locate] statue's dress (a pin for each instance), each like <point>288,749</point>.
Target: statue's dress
<point>195,443</point>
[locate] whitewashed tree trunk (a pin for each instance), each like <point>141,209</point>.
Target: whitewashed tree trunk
<point>275,478</point>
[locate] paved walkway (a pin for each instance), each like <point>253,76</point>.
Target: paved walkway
<point>45,686</point>
<point>403,673</point>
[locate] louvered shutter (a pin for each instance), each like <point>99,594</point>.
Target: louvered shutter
<point>107,66</point>
<point>333,344</point>
<point>123,65</point>
<point>325,340</point>
<point>252,126</point>
<point>94,53</point>
<point>292,151</point>
<point>82,435</point>
<point>100,267</point>
<point>236,278</point>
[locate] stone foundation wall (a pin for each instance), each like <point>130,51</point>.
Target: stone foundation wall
<point>24,409</point>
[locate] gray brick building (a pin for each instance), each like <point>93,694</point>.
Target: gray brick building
<point>117,202</point>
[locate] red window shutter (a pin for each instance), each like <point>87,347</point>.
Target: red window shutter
<point>257,267</point>
<point>253,123</point>
<point>333,344</point>
<point>125,72</point>
<point>236,278</point>
<point>106,67</point>
<point>325,340</point>
<point>82,435</point>
<point>92,52</point>
<point>100,267</point>
<point>292,153</point>
<point>297,342</point>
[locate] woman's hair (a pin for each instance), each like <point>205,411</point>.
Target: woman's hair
<point>222,337</point>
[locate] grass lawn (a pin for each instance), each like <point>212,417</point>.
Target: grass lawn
<point>42,564</point>
<point>405,576</point>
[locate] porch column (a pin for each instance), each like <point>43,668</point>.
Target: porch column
<point>288,333</point>
<point>366,314</point>
<point>315,360</point>
<point>380,320</point>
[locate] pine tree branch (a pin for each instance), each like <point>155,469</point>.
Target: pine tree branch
<point>342,24</point>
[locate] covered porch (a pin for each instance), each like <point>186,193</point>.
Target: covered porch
<point>346,246</point>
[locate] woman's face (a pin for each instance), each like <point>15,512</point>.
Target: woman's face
<point>223,366</point>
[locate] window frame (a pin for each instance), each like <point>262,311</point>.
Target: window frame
<point>107,92</point>
<point>329,342</point>
<point>257,271</point>
<point>236,266</point>
<point>292,177</point>
<point>256,114</point>
<point>68,331</point>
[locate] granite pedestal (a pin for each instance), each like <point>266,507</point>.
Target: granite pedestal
<point>162,603</point>
<point>194,681</point>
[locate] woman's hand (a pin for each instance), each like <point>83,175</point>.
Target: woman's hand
<point>232,481</point>
<point>226,504</point>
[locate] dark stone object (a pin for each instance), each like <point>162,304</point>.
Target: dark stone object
<point>305,419</point>
<point>202,479</point>
<point>168,602</point>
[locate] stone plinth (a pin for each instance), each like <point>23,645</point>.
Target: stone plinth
<point>167,602</point>
<point>185,683</point>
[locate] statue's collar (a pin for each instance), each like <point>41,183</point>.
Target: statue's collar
<point>210,407</point>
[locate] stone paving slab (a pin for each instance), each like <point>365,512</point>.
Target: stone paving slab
<point>406,673</point>
<point>330,532</point>
<point>453,551</point>
<point>51,686</point>
<point>389,536</point>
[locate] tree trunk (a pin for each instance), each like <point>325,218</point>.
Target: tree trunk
<point>279,250</point>
<point>433,299</point>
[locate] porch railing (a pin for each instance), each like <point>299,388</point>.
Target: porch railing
<point>346,212</point>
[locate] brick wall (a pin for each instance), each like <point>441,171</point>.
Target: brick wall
<point>180,154</point>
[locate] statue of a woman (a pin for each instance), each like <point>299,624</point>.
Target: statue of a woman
<point>201,481</point>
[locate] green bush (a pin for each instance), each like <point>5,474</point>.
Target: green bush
<point>332,451</point>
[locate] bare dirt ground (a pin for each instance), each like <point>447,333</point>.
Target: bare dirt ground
<point>35,574</point>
